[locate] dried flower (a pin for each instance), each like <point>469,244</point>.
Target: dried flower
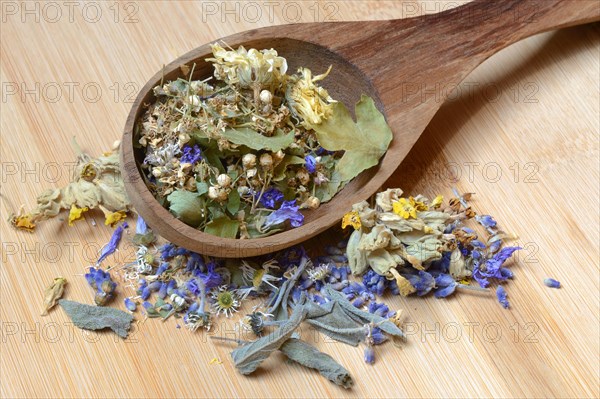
<point>287,211</point>
<point>53,293</point>
<point>552,283</point>
<point>225,300</point>
<point>102,283</point>
<point>351,219</point>
<point>501,295</point>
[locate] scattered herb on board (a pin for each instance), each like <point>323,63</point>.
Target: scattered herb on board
<point>53,293</point>
<point>392,244</point>
<point>240,155</point>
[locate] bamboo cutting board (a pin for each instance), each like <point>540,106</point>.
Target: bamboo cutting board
<point>521,132</point>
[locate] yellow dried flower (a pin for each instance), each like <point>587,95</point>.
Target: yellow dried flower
<point>437,202</point>
<point>248,67</point>
<point>351,219</point>
<point>76,213</point>
<point>53,293</point>
<point>404,208</point>
<point>309,101</point>
<point>404,285</point>
<point>112,218</point>
<point>22,221</point>
<point>418,205</point>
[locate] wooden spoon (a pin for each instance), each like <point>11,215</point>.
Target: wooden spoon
<point>408,66</point>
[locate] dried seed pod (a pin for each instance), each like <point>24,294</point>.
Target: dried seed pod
<point>266,96</point>
<point>224,180</point>
<point>303,176</point>
<point>249,161</point>
<point>266,161</point>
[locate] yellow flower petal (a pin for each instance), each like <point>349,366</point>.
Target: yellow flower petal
<point>403,208</point>
<point>437,201</point>
<point>23,222</point>
<point>404,285</point>
<point>76,213</point>
<point>418,205</point>
<point>112,218</point>
<point>351,219</point>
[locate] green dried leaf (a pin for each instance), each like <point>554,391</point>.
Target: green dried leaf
<point>233,202</point>
<point>201,187</point>
<point>97,317</point>
<point>186,206</point>
<point>53,293</point>
<point>248,357</point>
<point>364,142</point>
<point>223,227</point>
<point>327,190</point>
<point>309,356</point>
<point>279,171</point>
<point>256,141</point>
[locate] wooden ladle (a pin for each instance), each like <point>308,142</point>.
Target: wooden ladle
<point>408,66</point>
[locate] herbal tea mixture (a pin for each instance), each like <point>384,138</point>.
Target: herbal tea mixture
<point>240,155</point>
<point>390,244</point>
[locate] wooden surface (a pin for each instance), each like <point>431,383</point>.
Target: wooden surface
<point>521,132</point>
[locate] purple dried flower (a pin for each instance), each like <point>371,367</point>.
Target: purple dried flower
<point>102,283</point>
<point>287,211</point>
<point>191,154</point>
<point>130,305</point>
<point>270,197</point>
<point>552,283</point>
<point>501,295</point>
<point>112,245</point>
<point>310,163</point>
<point>369,355</point>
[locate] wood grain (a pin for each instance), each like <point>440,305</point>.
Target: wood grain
<point>439,50</point>
<point>521,131</point>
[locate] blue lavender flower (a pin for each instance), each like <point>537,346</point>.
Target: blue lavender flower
<point>113,244</point>
<point>210,279</point>
<point>501,295</point>
<point>369,355</point>
<point>194,262</point>
<point>141,227</point>
<point>310,163</point>
<point>162,291</point>
<point>492,268</point>
<point>162,268</point>
<point>130,305</point>
<point>446,285</point>
<point>377,336</point>
<point>379,309</point>
<point>552,283</point>
<point>102,283</point>
<point>374,282</point>
<point>291,257</point>
<point>169,250</point>
<point>287,211</point>
<point>191,154</point>
<point>270,197</point>
<point>423,282</point>
<point>486,221</point>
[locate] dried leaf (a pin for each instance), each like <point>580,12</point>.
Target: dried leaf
<point>256,141</point>
<point>53,293</point>
<point>308,356</point>
<point>186,206</point>
<point>364,142</point>
<point>90,317</point>
<point>248,357</point>
<point>223,227</point>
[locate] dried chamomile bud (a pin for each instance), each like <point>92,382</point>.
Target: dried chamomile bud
<point>53,293</point>
<point>303,176</point>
